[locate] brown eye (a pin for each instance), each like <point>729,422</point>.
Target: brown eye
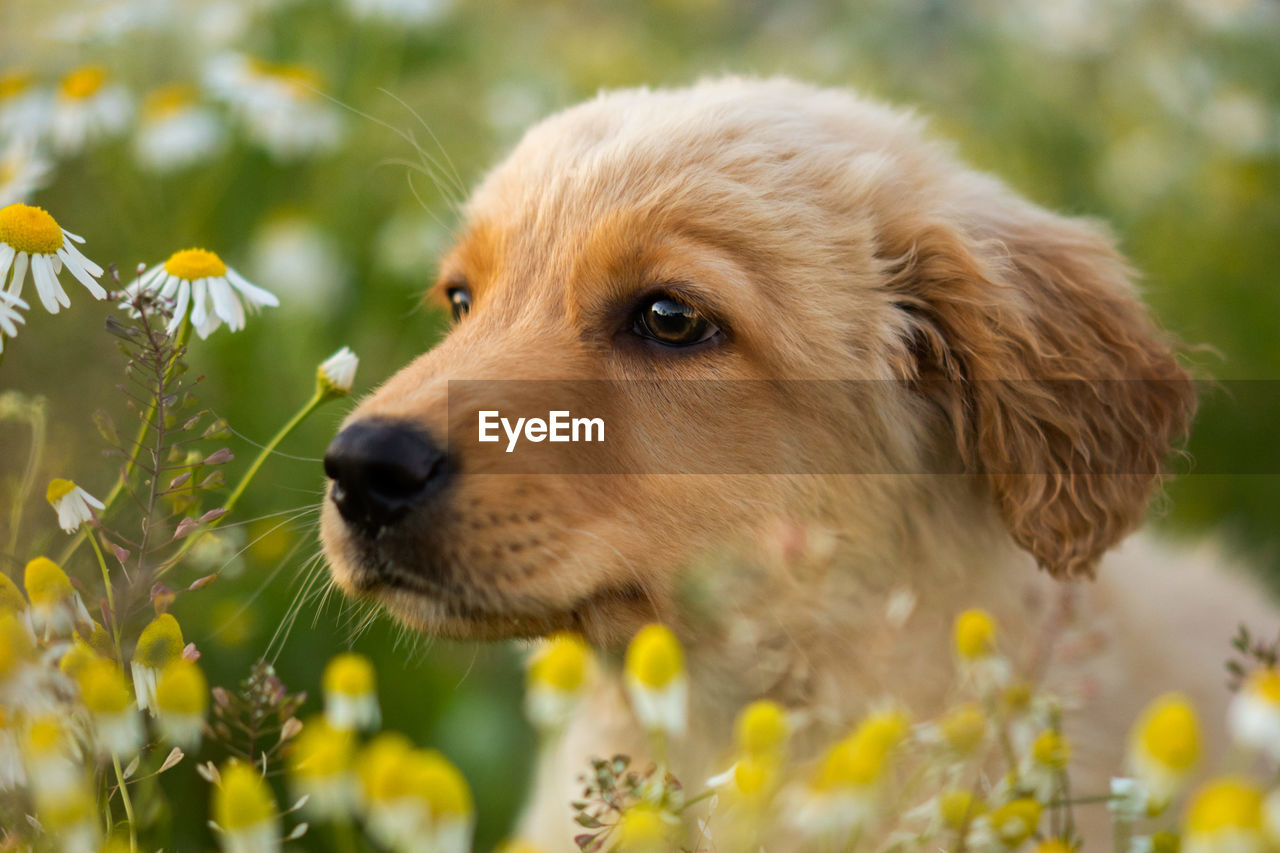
<point>459,302</point>
<point>672,323</point>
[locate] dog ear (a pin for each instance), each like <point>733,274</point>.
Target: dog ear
<point>1063,394</point>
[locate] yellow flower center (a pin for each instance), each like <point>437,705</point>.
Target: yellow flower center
<point>1265,684</point>
<point>167,100</point>
<point>641,828</point>
<point>300,80</point>
<point>1014,822</point>
<point>860,759</point>
<point>1051,749</point>
<point>383,767</point>
<point>44,737</point>
<point>243,799</point>
<point>320,751</point>
<point>11,600</point>
<point>193,264</point>
<point>964,727</point>
<point>753,776</point>
<point>30,229</point>
<point>182,689</point>
<point>103,689</point>
<point>975,634</point>
<point>159,643</point>
<point>13,83</point>
<point>15,643</point>
<point>434,779</point>
<point>350,675</point>
<point>1054,845</point>
<point>654,657</point>
<point>958,807</point>
<point>84,82</point>
<point>58,489</point>
<point>1170,733</point>
<point>47,584</point>
<point>562,664</point>
<point>762,728</point>
<point>1225,804</point>
<point>78,658</point>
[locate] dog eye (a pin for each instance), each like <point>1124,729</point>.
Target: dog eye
<point>459,302</point>
<point>672,323</point>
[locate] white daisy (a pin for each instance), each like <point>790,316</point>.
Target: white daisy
<point>89,106</point>
<point>280,105</point>
<point>655,680</point>
<point>22,170</point>
<point>73,504</point>
<point>337,372</point>
<point>24,106</point>
<point>1253,717</point>
<point>9,316</point>
<point>198,280</point>
<point>29,236</point>
<point>176,131</point>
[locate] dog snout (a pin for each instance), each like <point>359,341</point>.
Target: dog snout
<point>381,470</point>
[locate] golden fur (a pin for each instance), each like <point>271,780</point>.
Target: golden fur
<point>831,240</point>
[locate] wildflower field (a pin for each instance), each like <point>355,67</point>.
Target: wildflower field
<point>217,218</point>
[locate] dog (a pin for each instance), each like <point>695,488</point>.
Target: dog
<point>928,393</point>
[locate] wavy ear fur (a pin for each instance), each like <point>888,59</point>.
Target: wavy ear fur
<point>1063,393</point>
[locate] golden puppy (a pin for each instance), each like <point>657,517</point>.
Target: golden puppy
<point>837,371</point>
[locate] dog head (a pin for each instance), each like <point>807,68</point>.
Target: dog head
<point>766,238</point>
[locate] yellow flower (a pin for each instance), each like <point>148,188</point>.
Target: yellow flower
<point>860,760</point>
<point>55,605</point>
<point>555,679</point>
<point>89,106</point>
<point>159,644</point>
<point>103,690</point>
<point>50,758</point>
<point>1054,845</point>
<point>762,729</point>
<point>71,815</point>
<point>1015,822</point>
<point>441,787</point>
<point>964,727</point>
<point>1051,749</point>
<point>73,504</point>
<point>181,701</point>
<point>1225,816</point>
<point>244,810</point>
<point>957,808</point>
<point>655,680</point>
<point>1164,747</point>
<point>16,646</point>
<point>320,768</point>
<point>11,600</point>
<point>350,693</point>
<point>975,634</point>
<point>643,827</point>
<point>30,237</point>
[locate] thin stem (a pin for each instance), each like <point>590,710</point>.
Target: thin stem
<point>135,449</point>
<point>36,415</point>
<point>128,804</point>
<point>318,399</point>
<point>111,600</point>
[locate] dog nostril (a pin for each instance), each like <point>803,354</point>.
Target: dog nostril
<point>380,470</point>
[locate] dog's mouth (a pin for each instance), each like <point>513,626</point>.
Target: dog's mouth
<point>448,597</point>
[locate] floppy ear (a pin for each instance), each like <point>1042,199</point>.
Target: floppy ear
<point>1063,394</point>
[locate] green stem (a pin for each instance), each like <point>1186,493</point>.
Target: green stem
<point>111,600</point>
<point>36,415</point>
<point>345,836</point>
<point>133,451</point>
<point>318,399</point>
<point>128,805</point>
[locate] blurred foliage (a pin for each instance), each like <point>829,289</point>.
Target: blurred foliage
<point>1157,115</point>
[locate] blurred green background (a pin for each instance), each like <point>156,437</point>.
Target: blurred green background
<point>1157,115</point>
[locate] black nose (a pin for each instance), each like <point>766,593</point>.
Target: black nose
<point>380,470</point>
